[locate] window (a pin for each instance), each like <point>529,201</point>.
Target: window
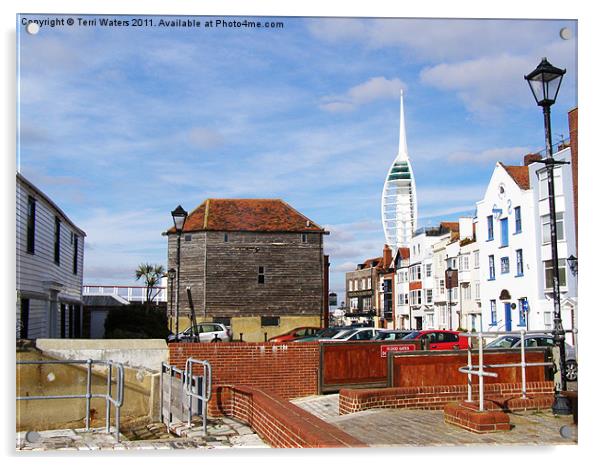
<point>464,263</point>
<point>504,232</point>
<point>75,252</point>
<point>491,267</point>
<point>549,273</point>
<point>261,275</point>
<point>477,290</point>
<point>63,310</point>
<point>304,238</point>
<point>187,237</point>
<point>441,286</point>
<point>475,258</point>
<point>454,293</point>
<point>23,325</point>
<point>493,312</point>
<point>490,228</point>
<point>545,227</point>
<point>368,283</point>
<point>547,319</point>
<point>224,320</point>
<point>429,320</point>
<point>505,265</point>
<point>466,292</point>
<point>523,307</point>
<point>57,240</point>
<point>519,262</point>
<point>361,284</point>
<point>428,270</point>
<point>416,297</point>
<point>31,224</point>
<point>270,321</point>
<point>518,221</point>
<point>225,237</point>
<point>429,296</point>
<point>543,183</point>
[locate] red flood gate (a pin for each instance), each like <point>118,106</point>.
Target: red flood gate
<point>358,364</point>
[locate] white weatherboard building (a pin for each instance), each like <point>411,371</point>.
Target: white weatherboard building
<point>50,259</point>
<point>399,209</point>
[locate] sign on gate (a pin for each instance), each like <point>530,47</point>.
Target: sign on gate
<point>384,350</point>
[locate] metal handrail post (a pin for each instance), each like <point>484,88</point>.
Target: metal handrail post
<point>470,368</point>
<point>120,402</point>
<point>170,394</point>
<point>108,406</point>
<point>88,392</point>
<point>161,392</point>
<point>523,365</point>
<point>481,390</point>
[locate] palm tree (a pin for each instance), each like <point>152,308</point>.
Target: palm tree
<point>152,275</point>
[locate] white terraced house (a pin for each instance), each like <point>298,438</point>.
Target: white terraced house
<point>50,261</point>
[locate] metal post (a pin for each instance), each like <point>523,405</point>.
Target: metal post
<point>469,369</point>
<point>161,392</point>
<point>481,393</point>
<point>118,406</point>
<point>523,364</point>
<point>108,406</point>
<point>204,400</point>
<point>179,235</point>
<point>88,392</point>
<point>170,394</point>
<point>561,404</point>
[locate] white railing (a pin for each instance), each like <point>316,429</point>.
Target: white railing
<point>481,373</point>
<point>129,293</point>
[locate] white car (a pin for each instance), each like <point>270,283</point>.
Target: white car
<point>357,334</point>
<point>207,332</point>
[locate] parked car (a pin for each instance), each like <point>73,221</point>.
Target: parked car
<point>391,334</point>
<point>296,333</point>
<point>356,334</point>
<point>538,340</point>
<point>323,334</point>
<point>440,339</point>
<point>207,332</point>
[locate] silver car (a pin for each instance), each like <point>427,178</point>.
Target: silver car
<point>539,340</point>
<point>357,334</point>
<point>207,332</point>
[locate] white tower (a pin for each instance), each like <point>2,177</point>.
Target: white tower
<point>399,208</point>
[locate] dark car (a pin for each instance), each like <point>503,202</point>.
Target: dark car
<point>440,339</point>
<point>391,334</point>
<point>538,340</point>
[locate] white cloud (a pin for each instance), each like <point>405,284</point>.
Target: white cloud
<point>513,155</point>
<point>205,138</point>
<point>376,88</point>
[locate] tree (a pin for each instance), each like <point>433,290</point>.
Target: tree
<point>152,275</point>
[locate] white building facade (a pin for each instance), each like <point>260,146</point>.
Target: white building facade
<point>50,261</point>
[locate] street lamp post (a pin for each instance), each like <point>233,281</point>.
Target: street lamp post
<point>448,280</point>
<point>171,274</point>
<point>544,82</point>
<point>179,216</point>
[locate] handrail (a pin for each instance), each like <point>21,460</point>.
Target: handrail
<point>109,399</point>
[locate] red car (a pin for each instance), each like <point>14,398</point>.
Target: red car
<point>440,339</point>
<point>303,331</point>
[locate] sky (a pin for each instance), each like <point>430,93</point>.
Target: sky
<point>119,125</point>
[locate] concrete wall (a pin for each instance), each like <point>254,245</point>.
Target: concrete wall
<point>134,353</point>
<point>141,394</point>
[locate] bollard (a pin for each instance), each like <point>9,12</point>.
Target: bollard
<point>265,337</point>
<point>240,337</point>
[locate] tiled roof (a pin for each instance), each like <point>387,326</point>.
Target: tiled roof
<point>404,252</point>
<point>257,215</point>
<point>520,174</point>
<point>451,225</point>
<point>378,260</point>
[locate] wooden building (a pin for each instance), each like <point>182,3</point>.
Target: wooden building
<point>257,265</point>
<point>50,259</point>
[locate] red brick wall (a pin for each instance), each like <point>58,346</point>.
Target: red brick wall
<point>431,397</point>
<point>442,369</point>
<point>277,421</point>
<point>289,370</point>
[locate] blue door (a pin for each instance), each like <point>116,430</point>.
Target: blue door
<point>508,316</point>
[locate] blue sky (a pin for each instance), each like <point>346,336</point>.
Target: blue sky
<point>120,125</point>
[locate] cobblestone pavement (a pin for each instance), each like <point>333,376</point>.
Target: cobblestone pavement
<point>403,427</point>
<point>221,434</point>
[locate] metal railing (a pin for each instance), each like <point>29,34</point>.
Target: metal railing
<point>108,397</point>
<point>481,373</point>
<point>188,381</point>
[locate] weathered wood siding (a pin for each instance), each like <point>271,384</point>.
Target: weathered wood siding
<point>35,271</point>
<point>293,272</point>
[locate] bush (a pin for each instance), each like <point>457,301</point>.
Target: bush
<point>136,321</point>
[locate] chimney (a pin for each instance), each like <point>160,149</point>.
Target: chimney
<point>531,158</point>
<point>387,256</point>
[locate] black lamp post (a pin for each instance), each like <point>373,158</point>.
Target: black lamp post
<point>179,216</point>
<point>171,274</point>
<point>544,82</point>
<point>449,273</point>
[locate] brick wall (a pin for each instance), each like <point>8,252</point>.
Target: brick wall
<point>289,370</point>
<point>277,421</point>
<point>431,397</point>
